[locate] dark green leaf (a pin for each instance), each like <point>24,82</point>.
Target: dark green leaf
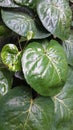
<point>18,111</point>
<point>24,25</point>
<point>4,30</point>
<point>45,67</point>
<point>5,81</point>
<point>7,3</point>
<point>29,3</point>
<point>68,47</point>
<point>64,102</point>
<point>55,16</point>
<point>11,57</point>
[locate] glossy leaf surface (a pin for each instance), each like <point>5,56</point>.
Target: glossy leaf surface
<point>63,103</point>
<point>18,111</point>
<point>68,47</point>
<point>5,81</point>
<point>55,16</point>
<point>7,3</point>
<point>45,67</point>
<point>11,57</point>
<point>24,25</point>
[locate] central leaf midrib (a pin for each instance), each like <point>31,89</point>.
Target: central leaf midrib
<point>29,110</point>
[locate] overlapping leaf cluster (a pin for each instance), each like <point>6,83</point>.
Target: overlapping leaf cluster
<point>36,65</point>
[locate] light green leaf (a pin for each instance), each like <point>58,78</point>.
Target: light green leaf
<point>24,25</point>
<point>5,81</point>
<point>11,57</point>
<point>18,111</point>
<point>68,47</point>
<point>63,102</point>
<point>45,67</point>
<point>7,3</point>
<point>55,16</point>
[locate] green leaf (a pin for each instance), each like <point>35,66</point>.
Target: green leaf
<point>24,25</point>
<point>55,16</point>
<point>4,30</point>
<point>11,57</point>
<point>29,3</point>
<point>63,101</point>
<point>68,47</point>
<point>1,63</point>
<point>45,67</point>
<point>65,125</point>
<point>18,111</point>
<point>5,81</point>
<point>7,3</point>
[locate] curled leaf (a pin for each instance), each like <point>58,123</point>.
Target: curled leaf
<point>11,57</point>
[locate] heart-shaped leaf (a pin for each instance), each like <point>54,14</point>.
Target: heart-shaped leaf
<point>63,102</point>
<point>68,47</point>
<point>5,81</point>
<point>45,67</point>
<point>18,111</point>
<point>11,57</point>
<point>24,25</point>
<point>55,16</point>
<point>7,3</point>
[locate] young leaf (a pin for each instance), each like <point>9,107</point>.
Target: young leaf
<point>7,3</point>
<point>63,101</point>
<point>5,81</point>
<point>55,16</point>
<point>18,111</point>
<point>68,47</point>
<point>45,67</point>
<point>11,57</point>
<point>24,25</point>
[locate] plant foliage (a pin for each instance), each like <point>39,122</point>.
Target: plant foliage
<point>36,65</point>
